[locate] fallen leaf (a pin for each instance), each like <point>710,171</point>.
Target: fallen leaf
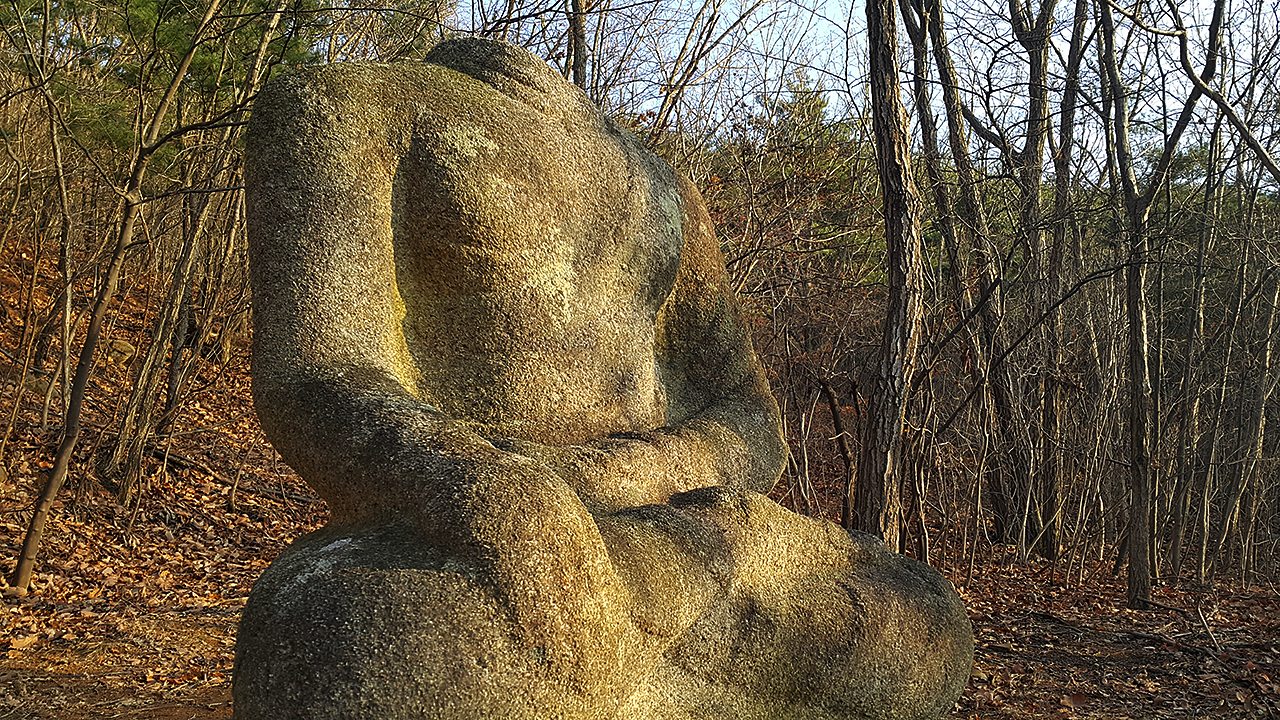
<point>1075,701</point>
<point>23,643</point>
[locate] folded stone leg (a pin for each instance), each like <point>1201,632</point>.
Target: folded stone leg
<point>813,623</point>
<point>375,624</point>
<point>720,604</point>
<point>502,605</point>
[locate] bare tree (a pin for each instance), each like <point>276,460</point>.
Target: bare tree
<point>878,507</point>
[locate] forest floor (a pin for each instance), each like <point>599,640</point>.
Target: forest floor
<point>134,608</point>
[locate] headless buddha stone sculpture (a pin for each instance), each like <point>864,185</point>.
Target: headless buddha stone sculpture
<point>496,335</point>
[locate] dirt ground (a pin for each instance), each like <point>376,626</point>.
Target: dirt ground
<point>170,665</point>
<point>134,607</point>
<point>1043,651</point>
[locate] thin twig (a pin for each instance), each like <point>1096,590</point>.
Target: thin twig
<point>1200,614</point>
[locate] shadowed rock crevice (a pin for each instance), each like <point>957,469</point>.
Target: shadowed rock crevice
<point>495,333</point>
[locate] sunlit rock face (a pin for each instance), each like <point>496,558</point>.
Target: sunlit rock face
<point>495,333</point>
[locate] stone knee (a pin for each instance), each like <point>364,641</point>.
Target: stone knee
<point>818,620</point>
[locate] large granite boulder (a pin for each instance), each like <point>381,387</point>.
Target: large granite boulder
<point>495,333</point>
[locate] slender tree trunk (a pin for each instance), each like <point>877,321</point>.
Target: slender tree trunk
<point>1214,442</point>
<point>1155,373</point>
<point>879,492</point>
<point>1136,211</point>
<point>1050,410</point>
<point>842,445</point>
<point>132,197</point>
<point>1136,314</point>
<point>1000,393</point>
<point>1139,412</point>
<point>21,578</point>
<point>578,42</point>
<point>63,306</point>
<point>1251,436</point>
<point>1033,35</point>
<point>944,213</point>
<point>1188,424</point>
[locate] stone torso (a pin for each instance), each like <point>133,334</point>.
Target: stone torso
<point>530,298</point>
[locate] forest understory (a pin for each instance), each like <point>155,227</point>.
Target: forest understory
<point>134,608</point>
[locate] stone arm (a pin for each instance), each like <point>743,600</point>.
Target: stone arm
<point>722,421</point>
<point>333,378</point>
